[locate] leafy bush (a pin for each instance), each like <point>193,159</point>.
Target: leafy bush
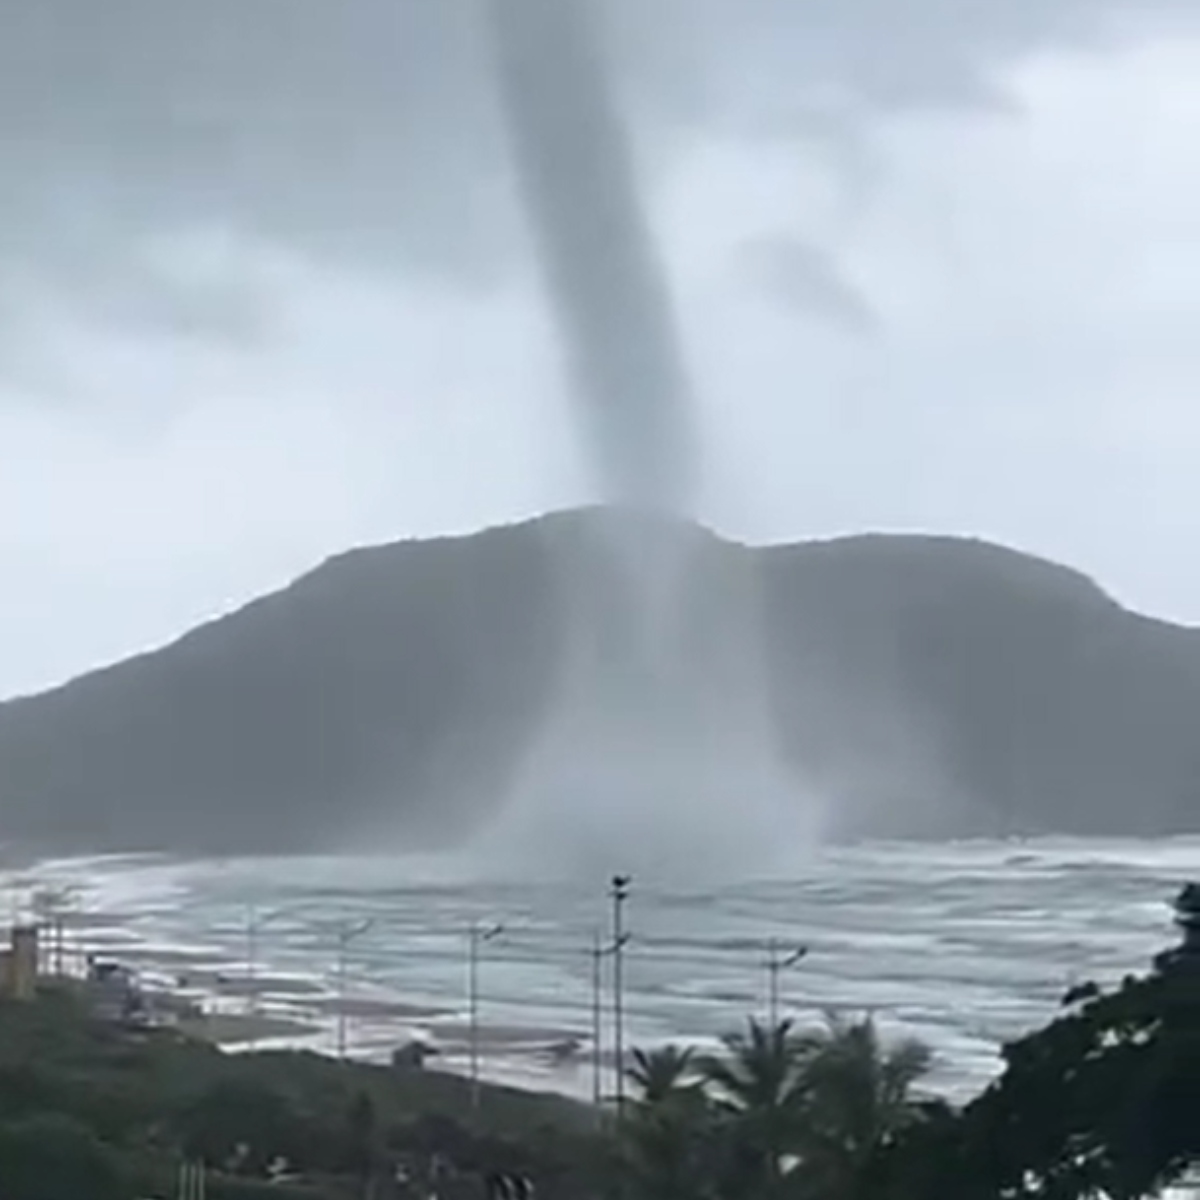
<point>55,1158</point>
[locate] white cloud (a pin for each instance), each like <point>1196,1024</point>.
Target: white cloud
<point>1032,272</point>
<point>156,480</point>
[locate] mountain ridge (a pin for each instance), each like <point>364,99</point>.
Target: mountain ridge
<point>930,686</point>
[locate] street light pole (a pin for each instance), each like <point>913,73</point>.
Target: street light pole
<point>477,934</point>
<point>252,919</point>
<point>619,894</point>
<point>255,920</point>
<point>346,934</point>
<point>599,952</point>
<point>597,1019</point>
<point>778,962</point>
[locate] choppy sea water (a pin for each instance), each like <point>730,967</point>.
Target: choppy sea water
<point>963,945</point>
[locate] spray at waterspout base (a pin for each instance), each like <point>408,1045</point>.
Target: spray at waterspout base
<point>658,755</point>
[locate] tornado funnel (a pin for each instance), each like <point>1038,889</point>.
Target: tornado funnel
<point>606,288</point>
<point>656,753</point>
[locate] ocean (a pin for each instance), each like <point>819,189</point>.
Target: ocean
<point>963,945</point>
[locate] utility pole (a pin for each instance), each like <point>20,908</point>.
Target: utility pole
<point>597,1019</point>
<point>476,936</point>
<point>346,934</point>
<point>256,919</point>
<point>599,952</point>
<point>777,962</point>
<point>619,894</point>
<point>251,960</point>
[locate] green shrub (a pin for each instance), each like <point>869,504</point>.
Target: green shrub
<point>55,1158</point>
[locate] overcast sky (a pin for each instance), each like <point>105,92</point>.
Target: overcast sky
<point>265,293</point>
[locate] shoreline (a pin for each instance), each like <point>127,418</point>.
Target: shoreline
<point>935,965</point>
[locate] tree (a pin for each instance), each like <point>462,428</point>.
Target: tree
<point>55,1158</point>
<point>775,1115</point>
<point>240,1126</point>
<point>667,1124</point>
<point>1102,1102</point>
<point>362,1139</point>
<point>857,1101</point>
<point>758,1087</point>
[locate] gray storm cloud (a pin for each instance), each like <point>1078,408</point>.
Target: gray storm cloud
<point>608,292</point>
<point>361,130</point>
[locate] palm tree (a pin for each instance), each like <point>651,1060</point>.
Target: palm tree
<point>664,1137</point>
<point>758,1085</point>
<point>858,1096</point>
<point>776,1115</point>
<point>661,1076</point>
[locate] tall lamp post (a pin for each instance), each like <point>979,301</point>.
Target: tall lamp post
<point>598,949</point>
<point>256,919</point>
<point>778,961</point>
<point>598,953</point>
<point>477,935</point>
<point>619,894</point>
<point>346,934</point>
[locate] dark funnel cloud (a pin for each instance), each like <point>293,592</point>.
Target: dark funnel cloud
<point>608,293</point>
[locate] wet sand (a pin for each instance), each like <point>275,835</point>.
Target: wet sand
<point>239,1029</point>
<point>231,984</point>
<point>364,1006</point>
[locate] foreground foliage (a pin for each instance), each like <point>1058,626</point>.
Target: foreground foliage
<point>778,1114</point>
<point>1104,1102</point>
<point>90,1112</point>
